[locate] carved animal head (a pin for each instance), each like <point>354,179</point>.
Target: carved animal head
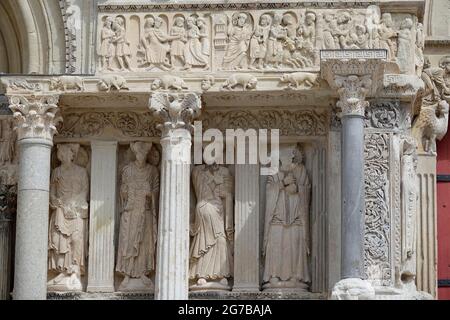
<point>156,84</point>
<point>55,83</point>
<point>252,83</point>
<point>102,85</point>
<point>284,78</point>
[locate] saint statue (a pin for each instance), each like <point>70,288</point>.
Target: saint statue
<point>139,194</point>
<point>212,228</point>
<point>286,246</point>
<point>68,232</point>
<point>107,47</point>
<point>239,35</point>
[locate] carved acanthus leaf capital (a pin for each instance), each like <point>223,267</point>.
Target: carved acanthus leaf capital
<point>352,92</point>
<point>35,116</point>
<point>355,75</point>
<point>176,111</point>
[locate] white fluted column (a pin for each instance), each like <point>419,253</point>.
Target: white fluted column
<point>102,216</point>
<point>35,124</point>
<point>172,262</point>
<point>5,252</point>
<point>246,242</point>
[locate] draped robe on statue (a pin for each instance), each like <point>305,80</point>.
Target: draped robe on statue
<point>137,236</point>
<point>209,251</point>
<point>286,234</point>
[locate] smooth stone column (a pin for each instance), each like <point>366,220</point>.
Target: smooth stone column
<point>246,243</point>
<point>352,204</point>
<point>172,262</point>
<point>102,216</point>
<point>35,123</point>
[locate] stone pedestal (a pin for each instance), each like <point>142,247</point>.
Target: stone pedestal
<point>246,242</point>
<point>172,260</point>
<point>102,216</point>
<point>35,124</point>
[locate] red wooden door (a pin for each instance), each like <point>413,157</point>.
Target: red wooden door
<point>443,218</point>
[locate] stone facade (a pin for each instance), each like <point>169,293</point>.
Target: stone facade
<point>114,202</point>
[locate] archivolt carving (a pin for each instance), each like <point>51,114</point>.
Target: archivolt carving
<point>92,124</point>
<point>303,123</point>
<point>377,240</point>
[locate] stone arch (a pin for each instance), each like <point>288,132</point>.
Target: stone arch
<point>31,37</point>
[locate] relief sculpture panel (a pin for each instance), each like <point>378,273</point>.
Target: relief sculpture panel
<point>252,40</point>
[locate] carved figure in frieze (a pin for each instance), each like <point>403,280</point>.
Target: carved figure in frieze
<point>212,229</point>
<point>286,246</point>
<point>404,56</point>
<point>341,29</point>
<point>7,142</point>
<point>432,106</point>
<point>139,194</point>
<point>239,34</point>
<point>296,80</point>
<point>193,51</point>
<point>277,36</point>
<point>178,31</point>
<point>203,34</point>
<point>123,52</point>
<point>387,36</point>
<point>258,42</point>
<point>245,80</point>
<point>106,51</point>
<point>358,38</point>
<point>110,82</point>
<point>169,82</point>
<point>65,83</point>
<point>409,198</point>
<point>420,43</point>
<point>155,45</point>
<point>328,38</point>
<point>67,244</point>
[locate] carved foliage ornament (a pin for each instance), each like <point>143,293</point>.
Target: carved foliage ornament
<point>377,219</point>
<point>383,115</point>
<point>352,92</point>
<point>176,111</point>
<point>35,116</point>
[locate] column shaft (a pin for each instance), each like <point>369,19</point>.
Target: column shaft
<point>30,274</point>
<point>173,230</point>
<point>352,189</point>
<point>102,216</point>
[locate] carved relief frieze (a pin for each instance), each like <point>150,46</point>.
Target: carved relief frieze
<point>201,39</point>
<point>383,115</point>
<point>290,123</point>
<point>94,124</point>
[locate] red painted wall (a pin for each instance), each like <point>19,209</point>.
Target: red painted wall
<point>443,217</point>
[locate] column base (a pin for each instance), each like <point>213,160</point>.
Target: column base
<point>100,288</point>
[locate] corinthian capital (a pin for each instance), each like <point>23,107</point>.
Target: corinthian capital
<point>35,116</point>
<point>176,111</point>
<point>352,92</point>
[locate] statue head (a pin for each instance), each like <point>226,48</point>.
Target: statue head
<point>310,18</point>
<point>360,29</point>
<point>149,23</point>
<point>298,155</point>
<point>120,21</point>
<point>158,22</point>
<point>343,18</point>
<point>444,63</point>
<point>201,22</point>
<point>277,19</point>
<point>241,19</point>
<point>179,21</point>
<point>67,152</point>
<point>406,24</point>
<point>141,150</point>
<point>265,20</point>
<point>190,22</point>
<point>386,18</point>
<point>156,84</point>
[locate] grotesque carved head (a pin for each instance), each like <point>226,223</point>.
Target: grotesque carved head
<point>156,84</point>
<point>252,83</point>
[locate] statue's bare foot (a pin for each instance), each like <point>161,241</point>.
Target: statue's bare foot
<point>201,282</point>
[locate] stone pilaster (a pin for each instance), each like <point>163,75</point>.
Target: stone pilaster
<point>354,75</point>
<point>35,120</point>
<point>102,216</point>
<point>246,242</point>
<point>176,111</point>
